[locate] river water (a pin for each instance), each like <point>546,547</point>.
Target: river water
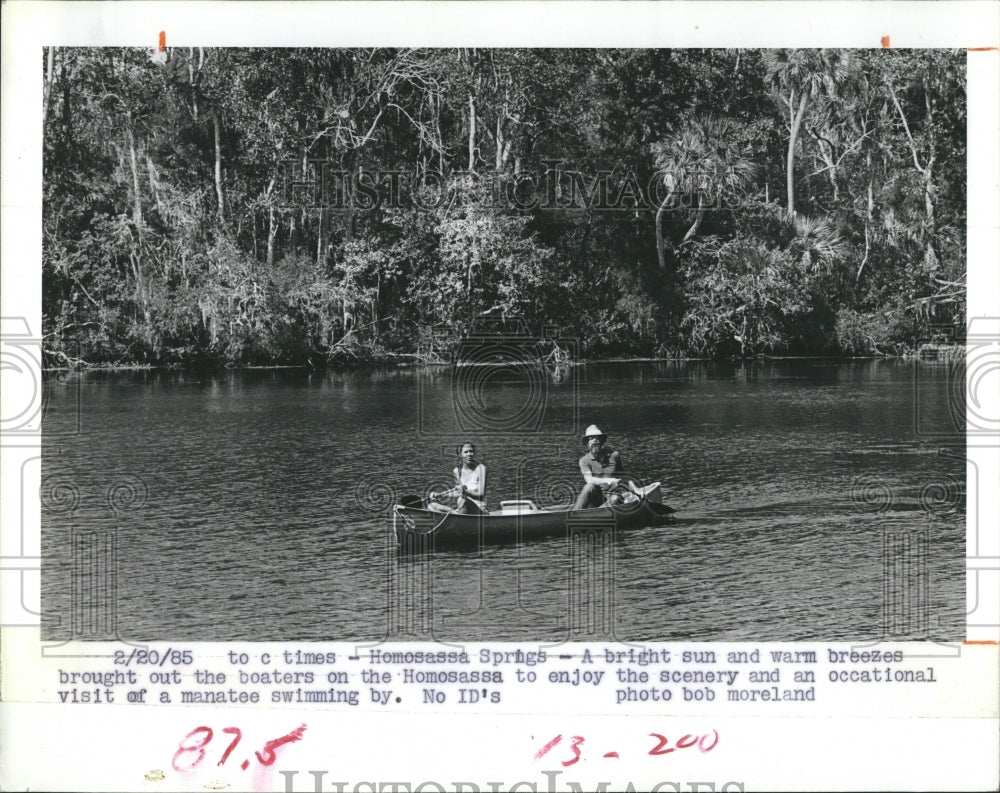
<point>815,500</point>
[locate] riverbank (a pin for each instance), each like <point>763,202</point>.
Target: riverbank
<point>927,353</point>
<point>937,352</point>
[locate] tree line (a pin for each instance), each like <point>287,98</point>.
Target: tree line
<point>317,206</point>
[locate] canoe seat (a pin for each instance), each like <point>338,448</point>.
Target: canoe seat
<point>517,507</point>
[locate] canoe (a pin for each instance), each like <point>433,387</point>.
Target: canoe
<point>417,527</point>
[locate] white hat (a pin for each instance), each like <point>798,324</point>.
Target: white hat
<point>593,431</point>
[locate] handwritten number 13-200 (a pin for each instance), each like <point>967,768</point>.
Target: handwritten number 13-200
<point>705,743</point>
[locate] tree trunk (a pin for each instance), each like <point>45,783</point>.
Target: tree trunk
<point>473,256</point>
<point>440,136</point>
<point>272,231</point>
<point>926,171</point>
<point>834,183</point>
<point>136,198</point>
<point>929,175</point>
<point>272,227</point>
<point>697,221</point>
<point>472,133</point>
<point>660,241</point>
<point>218,167</point>
<point>498,160</point>
<point>870,209</point>
<point>50,57</point>
<point>67,114</point>
<point>869,216</point>
<point>319,237</point>
<point>154,183</point>
<point>191,82</point>
<point>796,120</point>
<point>136,255</point>
<point>864,259</point>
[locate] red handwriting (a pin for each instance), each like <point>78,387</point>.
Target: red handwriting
<point>268,757</point>
<point>229,749</point>
<point>541,752</point>
<point>705,742</point>
<point>198,746</point>
<point>192,748</point>
<point>685,742</point>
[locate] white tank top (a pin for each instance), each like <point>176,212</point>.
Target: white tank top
<point>473,481</point>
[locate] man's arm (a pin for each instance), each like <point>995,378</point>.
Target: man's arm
<point>592,479</point>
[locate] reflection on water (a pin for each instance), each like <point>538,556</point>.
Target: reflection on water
<point>264,513</point>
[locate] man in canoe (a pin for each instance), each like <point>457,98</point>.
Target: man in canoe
<point>599,467</point>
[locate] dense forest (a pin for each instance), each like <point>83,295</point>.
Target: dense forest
<point>324,206</point>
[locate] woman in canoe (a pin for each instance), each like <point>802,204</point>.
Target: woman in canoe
<point>470,479</point>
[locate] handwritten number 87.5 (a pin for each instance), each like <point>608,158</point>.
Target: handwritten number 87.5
<point>191,749</point>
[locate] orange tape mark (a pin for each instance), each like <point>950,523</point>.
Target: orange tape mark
<point>885,42</point>
<point>982,49</point>
<point>163,41</point>
<point>987,641</point>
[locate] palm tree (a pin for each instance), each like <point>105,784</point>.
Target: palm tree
<point>703,164</point>
<point>816,242</point>
<point>799,77</point>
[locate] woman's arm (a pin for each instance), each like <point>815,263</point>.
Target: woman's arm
<point>457,490</point>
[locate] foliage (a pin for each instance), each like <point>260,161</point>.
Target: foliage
<point>873,333</point>
<point>743,298</point>
<point>787,200</point>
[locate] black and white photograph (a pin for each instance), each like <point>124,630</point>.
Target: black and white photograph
<point>391,379</point>
<point>334,320</point>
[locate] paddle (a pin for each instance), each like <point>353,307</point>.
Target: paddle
<point>451,491</point>
<point>644,494</point>
<point>632,489</point>
<point>416,502</point>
